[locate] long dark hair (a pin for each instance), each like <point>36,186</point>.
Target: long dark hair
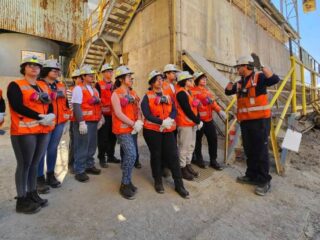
<point>182,83</point>
<point>44,72</point>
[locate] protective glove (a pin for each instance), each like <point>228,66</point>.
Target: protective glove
<point>256,61</point>
<point>137,127</point>
<point>222,115</point>
<point>83,128</point>
<point>200,125</point>
<point>101,122</point>
<point>166,124</point>
<point>47,119</point>
<point>2,117</point>
<point>69,97</point>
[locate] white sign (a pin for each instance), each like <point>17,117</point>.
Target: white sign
<point>292,140</point>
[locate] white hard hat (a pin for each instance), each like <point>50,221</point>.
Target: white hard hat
<point>31,59</point>
<point>170,68</point>
<point>197,75</point>
<point>76,73</point>
<point>87,69</point>
<point>51,63</point>
<point>106,66</point>
<point>244,60</point>
<point>153,74</point>
<point>184,76</point>
<point>122,70</point>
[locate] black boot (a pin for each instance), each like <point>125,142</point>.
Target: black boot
<point>137,165</point>
<point>186,174</point>
<point>215,165</point>
<point>27,206</point>
<point>158,186</point>
<point>81,177</point>
<point>198,160</point>
<point>113,160</point>
<point>34,196</point>
<point>42,186</point>
<point>192,171</point>
<point>93,170</point>
<point>126,191</point>
<point>179,187</point>
<point>133,187</point>
<point>52,181</point>
<point>103,163</point>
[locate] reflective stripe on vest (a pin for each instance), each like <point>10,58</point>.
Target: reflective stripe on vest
<point>250,106</point>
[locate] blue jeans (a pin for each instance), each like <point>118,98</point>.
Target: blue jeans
<point>84,147</point>
<point>135,139</point>
<point>127,144</point>
<point>52,150</point>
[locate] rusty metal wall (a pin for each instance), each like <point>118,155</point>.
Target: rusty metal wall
<point>54,19</point>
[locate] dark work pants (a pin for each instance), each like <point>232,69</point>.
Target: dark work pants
<point>255,135</point>
<point>209,130</point>
<point>106,140</point>
<point>163,149</point>
<point>28,150</point>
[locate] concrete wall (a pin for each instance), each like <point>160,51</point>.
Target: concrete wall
<point>11,45</point>
<point>147,42</point>
<point>219,31</point>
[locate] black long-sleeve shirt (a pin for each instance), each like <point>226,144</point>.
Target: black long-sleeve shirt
<point>15,99</point>
<point>183,100</point>
<point>261,87</point>
<point>2,105</point>
<point>147,112</point>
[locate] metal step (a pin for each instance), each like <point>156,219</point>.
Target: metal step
<point>92,62</point>
<point>118,29</point>
<point>102,48</point>
<point>94,52</point>
<point>116,21</point>
<point>94,57</point>
<point>120,15</point>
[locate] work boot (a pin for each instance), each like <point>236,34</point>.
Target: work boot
<point>262,189</point>
<point>34,196</point>
<point>103,163</point>
<point>93,170</point>
<point>27,206</point>
<point>179,187</point>
<point>42,186</point>
<point>198,160</point>
<point>137,165</point>
<point>82,177</point>
<point>215,165</point>
<point>246,180</point>
<point>186,174</point>
<point>52,181</point>
<point>166,172</point>
<point>133,187</point>
<point>158,186</point>
<point>192,171</point>
<point>126,191</point>
<point>113,160</point>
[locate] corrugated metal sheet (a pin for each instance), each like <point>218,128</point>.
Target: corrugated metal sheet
<point>54,19</point>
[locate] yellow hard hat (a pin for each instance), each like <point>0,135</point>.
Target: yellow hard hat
<point>76,73</point>
<point>87,69</point>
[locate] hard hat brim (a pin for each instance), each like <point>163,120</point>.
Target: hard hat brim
<point>203,74</point>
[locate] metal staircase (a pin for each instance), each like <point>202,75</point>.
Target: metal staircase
<point>106,25</point>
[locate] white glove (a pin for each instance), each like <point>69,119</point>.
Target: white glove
<point>101,122</point>
<point>222,115</point>
<point>200,125</point>
<point>47,119</point>
<point>83,128</point>
<point>69,97</point>
<point>137,127</point>
<point>166,124</point>
<point>2,117</point>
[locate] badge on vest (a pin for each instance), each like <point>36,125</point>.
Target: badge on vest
<point>252,101</point>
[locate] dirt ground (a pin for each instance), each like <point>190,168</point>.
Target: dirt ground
<point>219,208</point>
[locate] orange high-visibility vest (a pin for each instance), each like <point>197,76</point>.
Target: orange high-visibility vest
<point>106,91</point>
<point>60,109</point>
<point>22,125</point>
<point>252,106</point>
<point>130,110</point>
<point>167,90</point>
<point>205,109</point>
<point>90,112</point>
<point>182,120</point>
<point>161,111</point>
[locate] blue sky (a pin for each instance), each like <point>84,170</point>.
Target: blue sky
<point>309,29</point>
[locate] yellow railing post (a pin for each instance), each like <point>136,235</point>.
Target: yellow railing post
<point>304,100</point>
<point>313,87</point>
<point>294,85</point>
